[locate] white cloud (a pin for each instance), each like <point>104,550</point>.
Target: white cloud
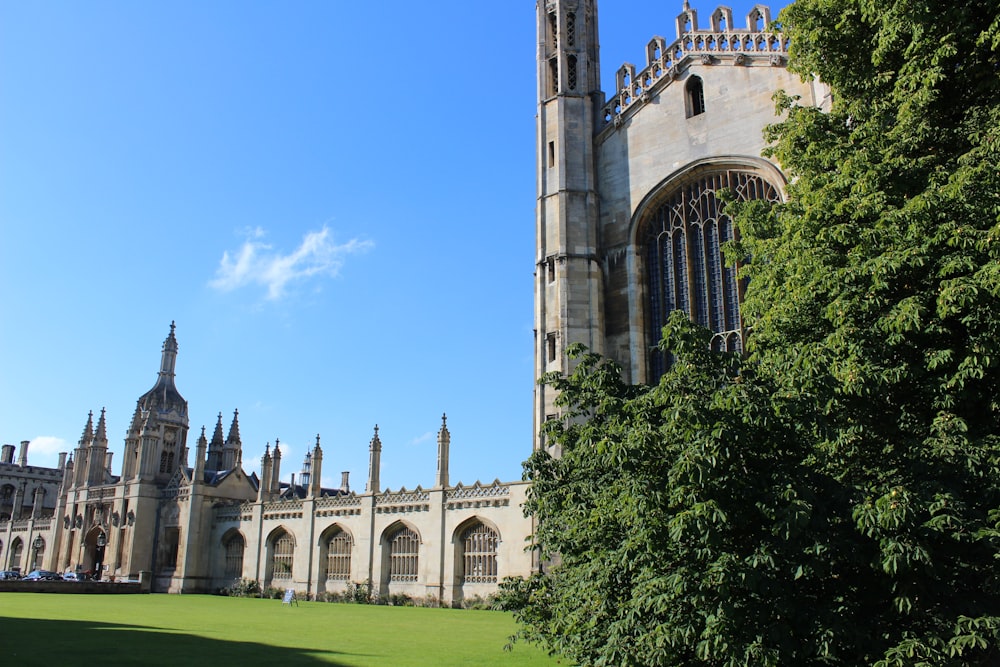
<point>44,450</point>
<point>258,263</point>
<point>419,440</point>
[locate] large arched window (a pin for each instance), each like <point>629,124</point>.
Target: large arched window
<point>683,235</point>
<point>234,546</point>
<point>479,554</point>
<point>404,547</point>
<point>283,553</point>
<point>338,556</point>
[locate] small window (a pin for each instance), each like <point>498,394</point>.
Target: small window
<point>550,269</point>
<point>550,342</point>
<point>553,76</point>
<point>694,97</point>
<point>552,154</point>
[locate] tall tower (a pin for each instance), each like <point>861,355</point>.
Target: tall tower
<point>568,275</point>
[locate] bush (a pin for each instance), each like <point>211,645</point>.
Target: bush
<point>243,588</point>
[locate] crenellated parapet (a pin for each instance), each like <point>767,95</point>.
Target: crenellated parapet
<point>721,43</point>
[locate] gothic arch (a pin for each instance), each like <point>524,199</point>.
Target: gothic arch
<point>234,545</point>
<point>677,232</point>
<point>400,543</point>
<point>476,542</point>
<point>336,551</point>
<point>280,555</point>
<point>16,551</point>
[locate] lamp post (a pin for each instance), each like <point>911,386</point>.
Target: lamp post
<point>102,542</point>
<point>37,544</point>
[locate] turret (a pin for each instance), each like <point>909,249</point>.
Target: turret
<point>444,444</point>
<point>316,470</point>
<point>232,448</point>
<point>200,455</point>
<point>569,280</point>
<point>264,492</point>
<point>83,451</point>
<point>374,463</point>
<point>215,447</point>
<point>276,471</point>
<point>97,453</point>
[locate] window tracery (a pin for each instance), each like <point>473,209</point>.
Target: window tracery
<point>479,555</point>
<point>683,238</point>
<point>338,556</point>
<point>234,546</point>
<point>283,555</point>
<point>404,548</point>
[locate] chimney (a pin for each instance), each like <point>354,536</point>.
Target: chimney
<point>107,461</point>
<point>22,457</point>
<point>345,485</point>
<point>8,454</point>
<point>62,460</point>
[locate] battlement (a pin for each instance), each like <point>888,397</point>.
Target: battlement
<point>720,44</point>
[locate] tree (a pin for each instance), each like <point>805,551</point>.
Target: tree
<point>834,498</point>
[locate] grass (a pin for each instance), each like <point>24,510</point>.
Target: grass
<point>195,630</point>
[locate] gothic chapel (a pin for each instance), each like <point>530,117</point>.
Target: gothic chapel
<point>628,229</point>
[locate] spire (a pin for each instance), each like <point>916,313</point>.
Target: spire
<point>276,469</point>
<point>374,462</point>
<point>101,434</point>
<point>214,460</point>
<point>444,445</point>
<point>233,444</point>
<point>88,430</point>
<point>164,397</point>
<point>234,429</point>
<point>316,470</point>
<point>168,360</point>
<point>199,457</point>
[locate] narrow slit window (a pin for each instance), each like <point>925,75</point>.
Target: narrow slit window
<point>552,154</point>
<point>550,269</point>
<point>550,343</point>
<point>694,97</point>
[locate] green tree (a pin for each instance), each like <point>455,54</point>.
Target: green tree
<point>835,497</point>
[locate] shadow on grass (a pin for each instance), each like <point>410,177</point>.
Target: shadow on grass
<point>27,641</point>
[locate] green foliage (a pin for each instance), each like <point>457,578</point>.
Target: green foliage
<point>835,497</point>
<point>242,588</point>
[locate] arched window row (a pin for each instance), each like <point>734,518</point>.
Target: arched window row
<point>283,557</point>
<point>404,549</point>
<point>338,556</point>
<point>234,547</point>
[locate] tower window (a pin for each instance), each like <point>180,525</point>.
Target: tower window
<point>571,72</point>
<point>550,269</point>
<point>550,344</point>
<point>694,97</point>
<point>553,76</point>
<point>552,154</point>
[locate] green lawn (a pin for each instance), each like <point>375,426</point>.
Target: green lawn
<point>194,630</point>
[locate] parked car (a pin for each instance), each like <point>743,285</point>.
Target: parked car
<point>73,576</point>
<point>9,574</point>
<point>42,575</point>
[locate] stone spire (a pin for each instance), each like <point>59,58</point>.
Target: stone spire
<point>233,445</point>
<point>199,457</point>
<point>83,451</point>
<point>316,470</point>
<point>215,447</point>
<point>97,451</point>
<point>374,463</point>
<point>264,493</point>
<point>276,471</point>
<point>444,444</point>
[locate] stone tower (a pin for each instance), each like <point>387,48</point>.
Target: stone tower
<point>629,225</point>
<point>569,285</point>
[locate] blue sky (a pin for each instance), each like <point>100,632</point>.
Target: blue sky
<point>333,200</point>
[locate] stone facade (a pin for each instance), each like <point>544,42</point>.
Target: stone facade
<point>628,225</point>
<point>200,527</point>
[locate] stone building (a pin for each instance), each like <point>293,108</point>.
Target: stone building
<point>628,221</point>
<point>629,228</point>
<point>198,527</point>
